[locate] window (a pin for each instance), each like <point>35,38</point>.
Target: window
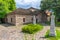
<point>23,19</point>
<point>11,19</point>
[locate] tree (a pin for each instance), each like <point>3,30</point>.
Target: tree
<point>51,4</point>
<point>6,6</point>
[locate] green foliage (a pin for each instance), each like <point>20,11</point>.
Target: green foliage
<point>31,28</point>
<point>51,4</point>
<point>6,6</point>
<point>53,38</point>
<point>48,22</point>
<point>58,24</point>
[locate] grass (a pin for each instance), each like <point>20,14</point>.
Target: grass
<point>57,37</point>
<point>29,36</point>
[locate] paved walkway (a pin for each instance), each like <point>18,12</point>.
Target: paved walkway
<point>41,34</point>
<point>12,33</point>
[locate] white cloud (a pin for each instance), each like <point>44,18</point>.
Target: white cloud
<point>28,3</point>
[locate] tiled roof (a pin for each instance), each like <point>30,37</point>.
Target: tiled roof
<point>25,11</point>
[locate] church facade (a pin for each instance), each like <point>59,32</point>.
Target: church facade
<point>22,16</point>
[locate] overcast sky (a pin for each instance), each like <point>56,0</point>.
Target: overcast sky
<point>27,3</point>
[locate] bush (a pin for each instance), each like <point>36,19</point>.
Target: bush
<point>31,28</point>
<point>48,22</point>
<point>58,24</point>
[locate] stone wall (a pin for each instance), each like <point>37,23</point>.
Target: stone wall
<point>9,17</point>
<point>19,19</point>
<point>38,17</point>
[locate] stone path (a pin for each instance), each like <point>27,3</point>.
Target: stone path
<point>41,34</point>
<point>11,33</point>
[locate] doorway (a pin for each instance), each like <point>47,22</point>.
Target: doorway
<point>36,20</point>
<point>2,20</point>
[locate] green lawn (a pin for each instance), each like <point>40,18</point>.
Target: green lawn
<point>57,37</point>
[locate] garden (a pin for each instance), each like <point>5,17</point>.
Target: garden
<point>31,30</point>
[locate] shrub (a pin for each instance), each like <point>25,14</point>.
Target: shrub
<point>31,28</point>
<point>48,22</point>
<point>58,24</point>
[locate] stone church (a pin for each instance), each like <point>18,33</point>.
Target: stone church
<point>22,16</point>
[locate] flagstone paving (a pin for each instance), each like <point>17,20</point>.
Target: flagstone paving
<point>41,34</point>
<point>11,33</point>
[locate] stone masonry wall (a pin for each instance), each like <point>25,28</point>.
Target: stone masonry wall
<point>19,19</point>
<point>13,19</point>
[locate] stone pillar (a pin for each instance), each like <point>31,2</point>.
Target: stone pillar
<point>52,27</point>
<point>34,19</point>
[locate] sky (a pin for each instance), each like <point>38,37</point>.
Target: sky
<point>28,3</point>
